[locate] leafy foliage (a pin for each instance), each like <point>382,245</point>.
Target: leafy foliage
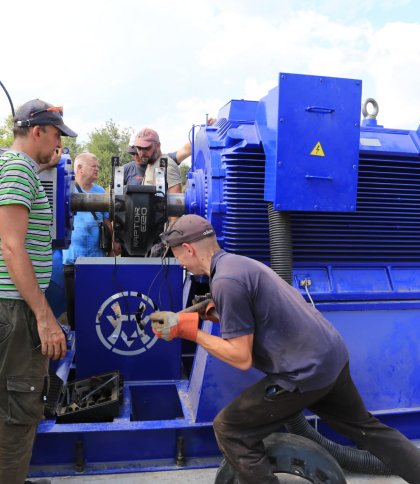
<point>6,132</point>
<point>184,170</point>
<point>106,142</point>
<point>73,146</point>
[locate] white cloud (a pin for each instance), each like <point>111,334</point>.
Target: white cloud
<point>394,63</point>
<point>166,64</point>
<point>255,90</point>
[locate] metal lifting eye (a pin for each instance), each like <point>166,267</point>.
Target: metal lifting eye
<point>375,107</point>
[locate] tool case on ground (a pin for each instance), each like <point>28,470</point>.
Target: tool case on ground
<point>94,399</point>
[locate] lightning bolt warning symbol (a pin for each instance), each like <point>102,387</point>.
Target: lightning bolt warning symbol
<point>318,151</point>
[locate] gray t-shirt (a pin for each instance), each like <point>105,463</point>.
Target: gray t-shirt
<point>173,172</point>
<point>172,155</point>
<point>133,173</point>
<point>292,340</point>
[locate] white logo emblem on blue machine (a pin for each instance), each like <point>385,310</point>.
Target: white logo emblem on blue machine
<point>122,323</point>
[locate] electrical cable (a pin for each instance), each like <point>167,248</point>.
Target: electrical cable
<point>9,98</point>
<point>309,296</point>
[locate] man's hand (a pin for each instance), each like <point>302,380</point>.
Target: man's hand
<point>168,325</point>
<point>55,158</point>
<point>14,220</point>
<point>53,339</point>
<point>116,249</point>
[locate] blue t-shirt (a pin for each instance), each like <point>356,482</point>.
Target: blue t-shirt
<point>293,342</point>
<point>85,235</point>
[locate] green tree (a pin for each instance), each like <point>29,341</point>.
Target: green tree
<point>73,146</point>
<point>105,142</point>
<point>6,132</point>
<point>184,170</point>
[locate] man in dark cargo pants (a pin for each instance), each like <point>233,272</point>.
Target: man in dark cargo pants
<point>266,323</point>
<point>29,332</point>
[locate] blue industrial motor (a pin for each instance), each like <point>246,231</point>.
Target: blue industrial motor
<point>333,206</point>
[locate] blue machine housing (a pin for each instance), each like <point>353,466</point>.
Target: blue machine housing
<point>226,180</point>
<point>309,127</point>
<point>58,185</point>
<point>231,181</point>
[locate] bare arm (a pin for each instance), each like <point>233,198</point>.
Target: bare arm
<point>183,153</point>
<point>13,227</point>
<point>236,351</point>
<point>175,189</point>
<point>186,150</point>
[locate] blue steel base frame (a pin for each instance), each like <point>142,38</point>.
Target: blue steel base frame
<point>126,445</point>
<point>163,422</point>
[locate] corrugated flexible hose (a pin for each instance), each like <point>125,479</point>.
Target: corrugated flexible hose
<point>355,460</point>
<point>280,243</point>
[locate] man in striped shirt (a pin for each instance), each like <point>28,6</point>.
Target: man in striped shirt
<point>29,332</point>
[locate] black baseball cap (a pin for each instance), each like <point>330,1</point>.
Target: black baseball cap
<point>188,228</point>
<point>40,113</point>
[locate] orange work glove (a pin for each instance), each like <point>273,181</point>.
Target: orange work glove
<point>168,325</point>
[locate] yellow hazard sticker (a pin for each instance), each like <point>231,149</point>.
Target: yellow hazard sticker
<point>318,151</point>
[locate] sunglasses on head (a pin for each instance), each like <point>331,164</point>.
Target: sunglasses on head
<point>48,110</point>
<point>142,148</point>
<point>27,123</point>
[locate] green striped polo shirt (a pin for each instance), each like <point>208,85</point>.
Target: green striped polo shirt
<point>19,183</point>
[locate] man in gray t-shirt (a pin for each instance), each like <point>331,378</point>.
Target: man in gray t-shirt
<point>267,324</point>
<point>135,169</point>
<point>147,157</point>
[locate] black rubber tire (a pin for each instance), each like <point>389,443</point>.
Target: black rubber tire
<point>296,455</point>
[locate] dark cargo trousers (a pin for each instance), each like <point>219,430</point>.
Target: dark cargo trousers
<point>241,427</point>
<point>23,378</point>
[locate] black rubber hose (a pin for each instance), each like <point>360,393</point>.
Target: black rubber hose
<point>9,98</point>
<point>355,460</point>
<point>280,243</point>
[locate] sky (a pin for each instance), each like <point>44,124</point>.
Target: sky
<point>165,64</point>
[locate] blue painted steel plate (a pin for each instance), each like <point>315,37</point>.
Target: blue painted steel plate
<point>113,330</point>
<point>310,127</point>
